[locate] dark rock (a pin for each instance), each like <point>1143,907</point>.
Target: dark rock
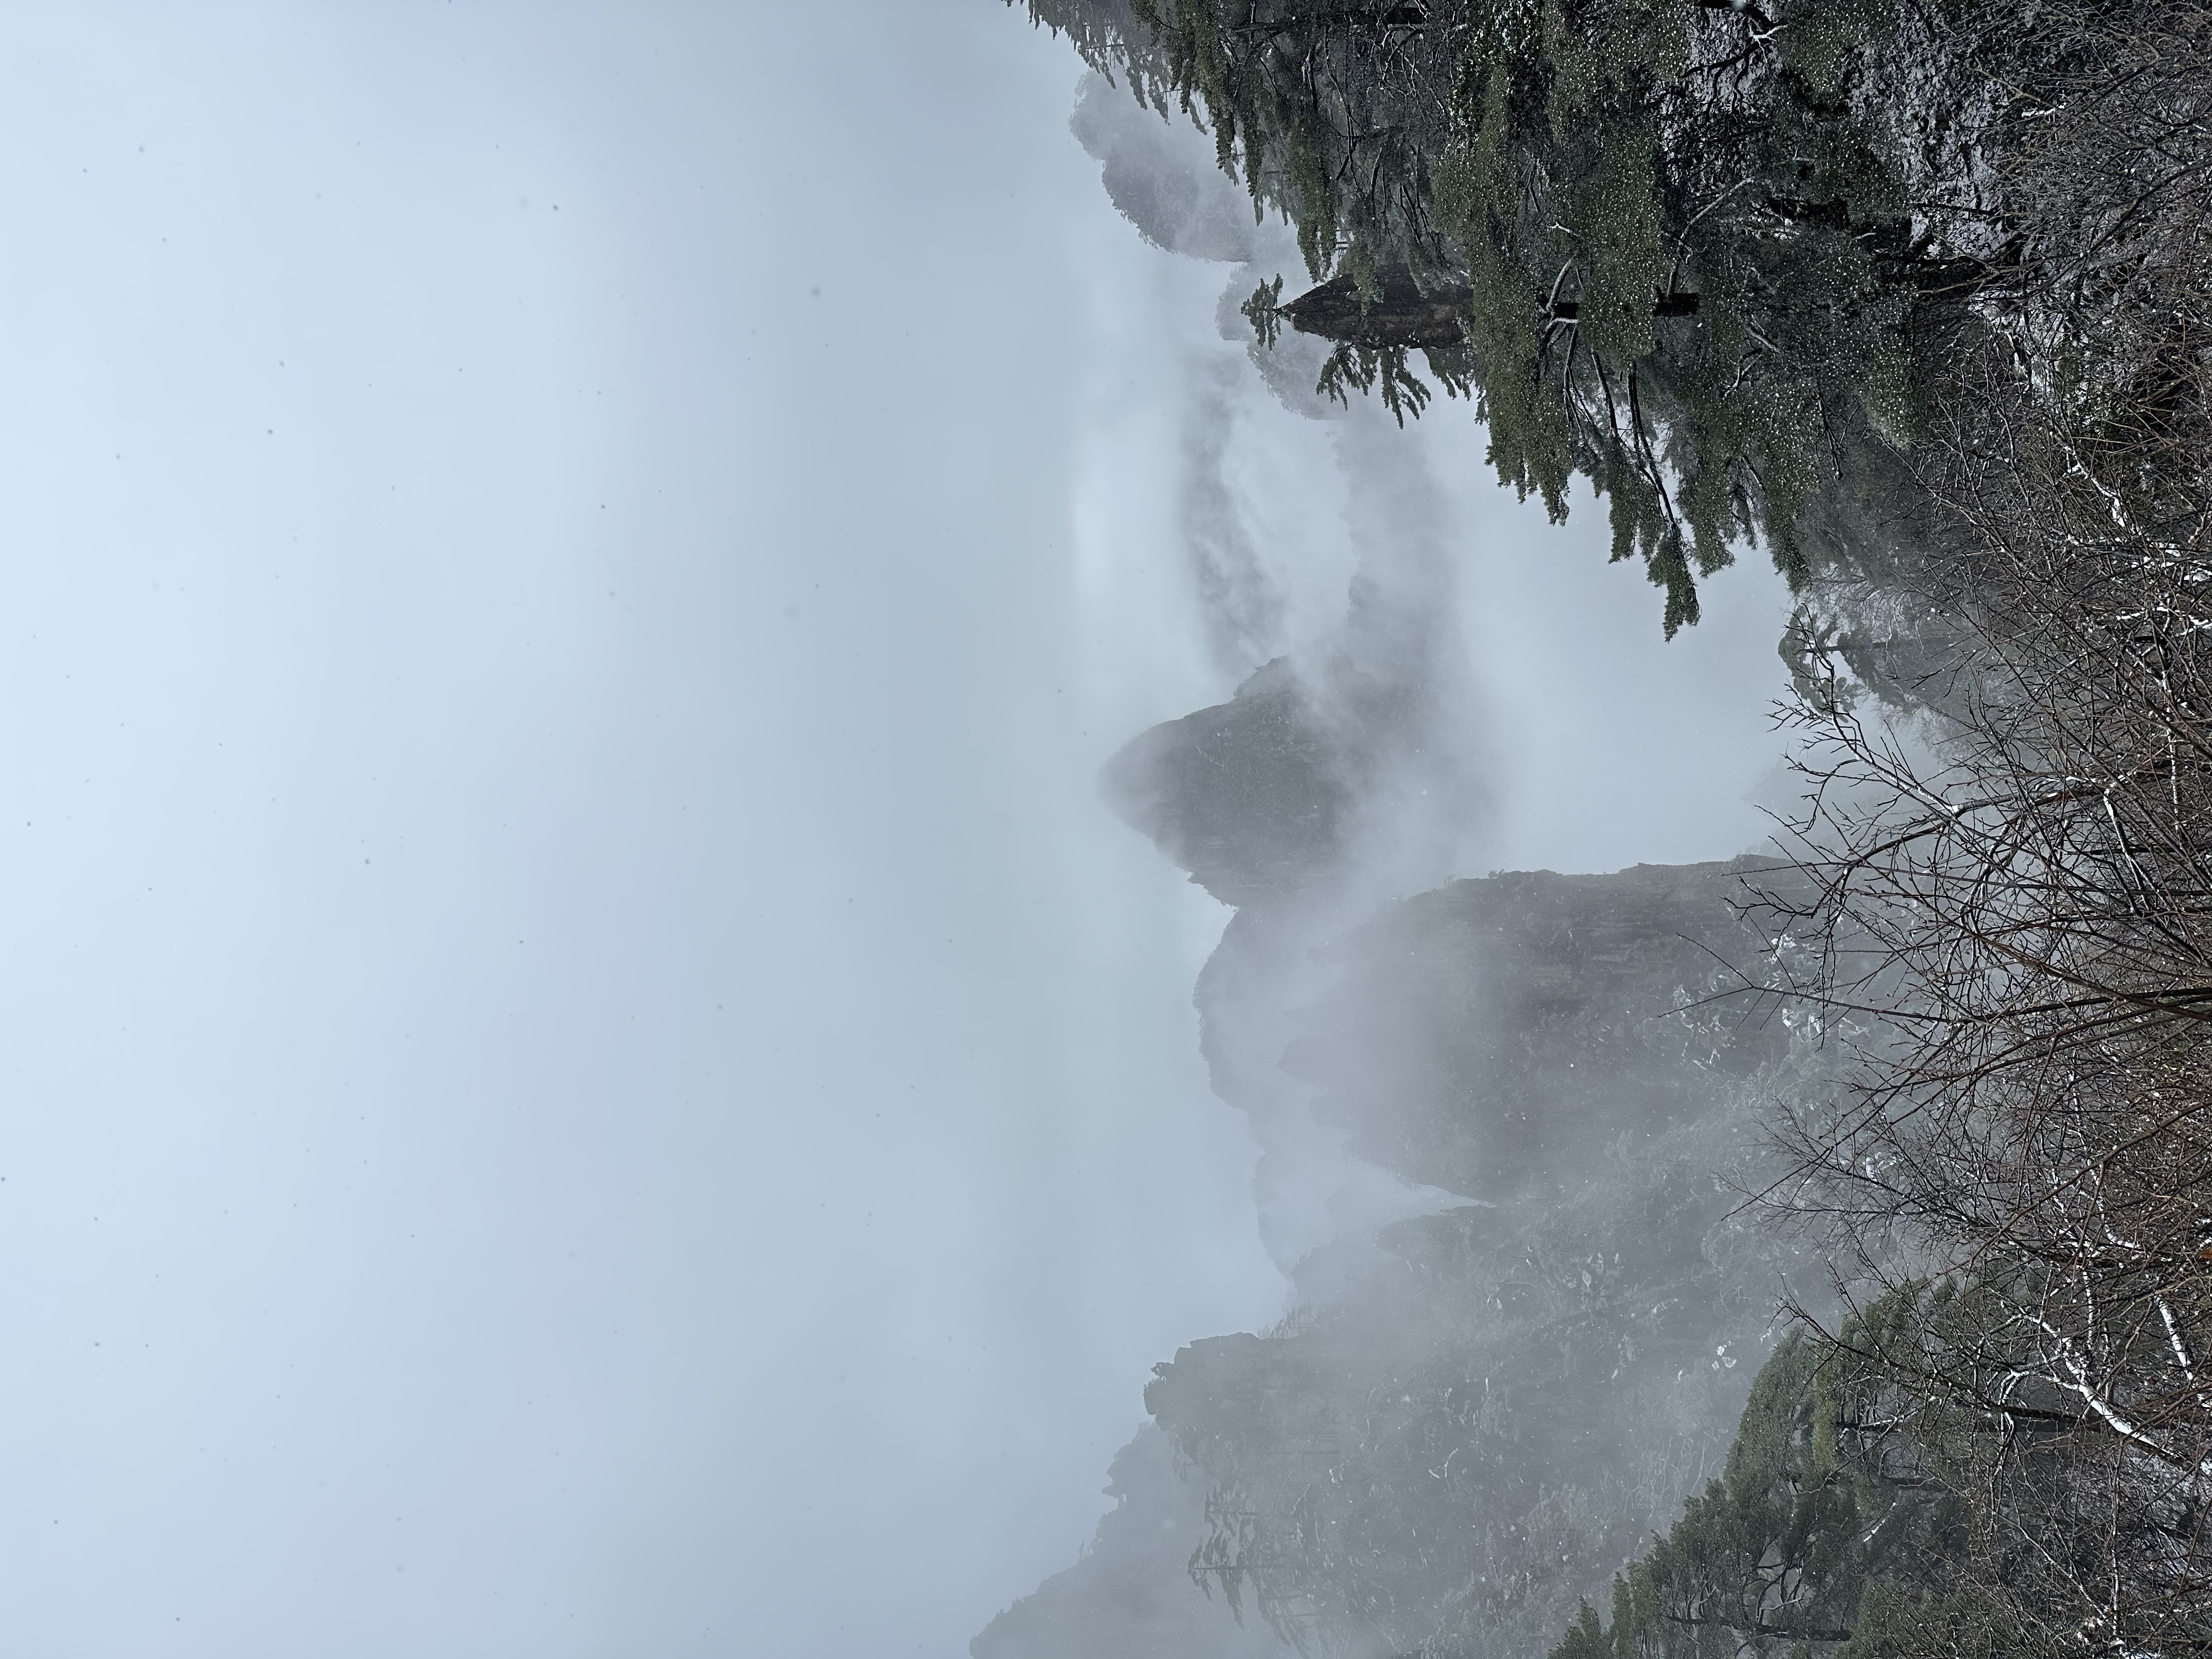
<point>1129,1596</point>
<point>1494,1037</point>
<point>1249,796</point>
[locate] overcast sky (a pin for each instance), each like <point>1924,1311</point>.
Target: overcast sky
<point>581,1070</point>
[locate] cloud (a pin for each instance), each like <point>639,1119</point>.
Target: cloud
<point>1163,173</point>
<point>1347,770</point>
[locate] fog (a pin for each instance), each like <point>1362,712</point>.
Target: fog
<point>587,1070</point>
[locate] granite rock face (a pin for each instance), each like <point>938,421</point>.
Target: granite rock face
<point>1449,1457</point>
<point>1493,1036</point>
<point>1252,796</point>
<point>1475,1416</point>
<point>1129,1596</point>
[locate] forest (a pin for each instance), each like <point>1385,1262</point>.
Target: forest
<point>1833,1269</point>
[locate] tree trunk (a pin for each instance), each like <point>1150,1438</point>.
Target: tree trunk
<point>1402,315</point>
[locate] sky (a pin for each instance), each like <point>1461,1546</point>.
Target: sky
<point>582,1071</point>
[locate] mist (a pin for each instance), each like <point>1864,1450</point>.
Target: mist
<point>1417,680</point>
<point>592,1067</point>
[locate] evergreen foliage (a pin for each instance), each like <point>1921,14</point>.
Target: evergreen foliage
<point>1686,247</point>
<point>1810,1543</point>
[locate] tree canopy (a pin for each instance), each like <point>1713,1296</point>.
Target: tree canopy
<point>1675,242</point>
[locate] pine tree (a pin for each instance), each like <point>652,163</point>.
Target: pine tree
<point>1810,1543</point>
<point>1668,252</point>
